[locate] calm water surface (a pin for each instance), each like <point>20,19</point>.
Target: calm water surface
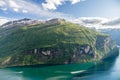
<point>106,70</point>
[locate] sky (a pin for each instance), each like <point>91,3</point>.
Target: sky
<point>91,13</point>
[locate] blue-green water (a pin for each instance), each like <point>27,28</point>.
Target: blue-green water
<point>107,70</point>
<point>58,72</point>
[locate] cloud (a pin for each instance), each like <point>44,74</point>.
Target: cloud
<point>74,1</point>
<point>2,3</point>
<point>4,9</point>
<point>113,22</point>
<point>16,7</point>
<point>89,20</point>
<point>3,20</point>
<point>9,4</point>
<point>25,11</point>
<point>98,22</point>
<point>53,4</point>
<point>13,4</point>
<point>44,10</point>
<point>29,7</point>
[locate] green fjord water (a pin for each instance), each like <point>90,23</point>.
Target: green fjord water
<point>108,70</point>
<point>56,72</point>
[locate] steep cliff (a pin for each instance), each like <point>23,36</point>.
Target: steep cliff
<point>60,42</point>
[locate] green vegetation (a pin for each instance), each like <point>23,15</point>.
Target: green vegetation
<point>62,35</point>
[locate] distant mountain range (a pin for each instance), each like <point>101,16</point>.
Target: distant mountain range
<point>114,33</point>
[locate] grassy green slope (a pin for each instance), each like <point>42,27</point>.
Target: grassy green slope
<point>61,35</point>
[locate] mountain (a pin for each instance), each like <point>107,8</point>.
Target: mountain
<point>55,41</point>
<point>21,22</point>
<point>114,33</point>
<point>13,25</point>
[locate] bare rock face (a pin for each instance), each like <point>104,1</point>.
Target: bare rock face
<point>20,23</point>
<point>56,56</point>
<point>104,43</point>
<point>27,21</point>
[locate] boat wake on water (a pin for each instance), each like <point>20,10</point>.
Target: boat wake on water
<point>20,72</point>
<point>77,72</point>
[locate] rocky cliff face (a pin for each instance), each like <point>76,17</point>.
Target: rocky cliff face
<point>49,55</point>
<point>58,43</point>
<point>21,23</point>
<point>114,33</point>
<point>106,47</point>
<point>104,43</point>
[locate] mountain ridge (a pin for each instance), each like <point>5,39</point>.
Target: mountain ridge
<point>54,42</point>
